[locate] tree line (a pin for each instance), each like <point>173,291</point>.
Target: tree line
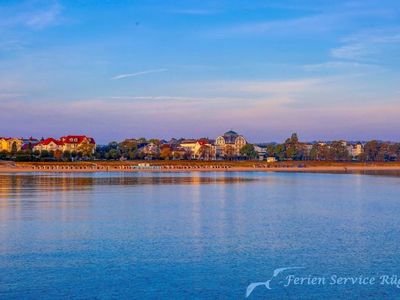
<point>291,149</point>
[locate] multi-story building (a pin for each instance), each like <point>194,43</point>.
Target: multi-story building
<point>10,144</point>
<point>229,144</point>
<point>150,150</point>
<point>199,149</point>
<point>71,143</point>
<point>49,144</point>
<point>78,143</point>
<point>356,150</point>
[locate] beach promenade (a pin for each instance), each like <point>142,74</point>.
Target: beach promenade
<point>197,166</point>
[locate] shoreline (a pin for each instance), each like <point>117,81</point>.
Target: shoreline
<point>188,166</point>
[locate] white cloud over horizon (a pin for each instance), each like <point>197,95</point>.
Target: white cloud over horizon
<point>122,76</point>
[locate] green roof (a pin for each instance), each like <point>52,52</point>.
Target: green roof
<point>230,132</point>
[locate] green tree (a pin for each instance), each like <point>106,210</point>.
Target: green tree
<point>113,154</point>
<point>4,155</point>
<point>280,151</point>
<point>338,151</point>
<point>248,151</point>
<point>66,155</point>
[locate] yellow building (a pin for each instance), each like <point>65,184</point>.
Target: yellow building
<point>199,149</point>
<point>71,143</point>
<point>10,144</point>
<point>78,143</point>
<point>49,144</point>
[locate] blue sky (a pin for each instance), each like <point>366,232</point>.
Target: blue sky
<point>117,69</point>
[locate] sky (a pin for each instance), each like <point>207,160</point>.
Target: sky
<point>120,69</point>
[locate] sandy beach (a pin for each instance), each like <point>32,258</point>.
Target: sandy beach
<point>197,166</point>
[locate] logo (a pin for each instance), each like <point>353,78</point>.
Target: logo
<point>276,272</point>
<point>291,280</point>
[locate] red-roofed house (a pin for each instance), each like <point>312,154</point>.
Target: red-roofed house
<point>49,144</point>
<point>71,143</point>
<point>78,143</point>
<point>199,149</point>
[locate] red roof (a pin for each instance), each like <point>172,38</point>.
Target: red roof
<point>48,141</point>
<point>76,139</point>
<point>203,142</point>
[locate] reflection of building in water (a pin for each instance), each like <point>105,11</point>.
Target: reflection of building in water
<point>10,188</point>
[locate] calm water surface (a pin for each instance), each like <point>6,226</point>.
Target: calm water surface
<point>196,235</point>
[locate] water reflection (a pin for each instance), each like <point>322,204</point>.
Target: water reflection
<point>197,235</point>
<point>11,185</point>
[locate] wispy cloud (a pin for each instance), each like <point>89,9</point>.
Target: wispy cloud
<point>365,46</point>
<point>353,52</point>
<point>36,15</point>
<point>195,11</point>
<point>42,18</point>
<point>338,65</point>
<point>330,19</point>
<point>121,76</point>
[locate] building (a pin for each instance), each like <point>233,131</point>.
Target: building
<point>189,146</point>
<point>150,150</point>
<point>72,143</point>
<point>29,143</point>
<point>78,143</point>
<point>199,149</point>
<point>10,144</point>
<point>261,152</point>
<point>49,144</point>
<point>229,144</point>
<point>357,150</point>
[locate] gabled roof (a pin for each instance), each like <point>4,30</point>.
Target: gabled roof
<point>76,139</point>
<point>48,141</point>
<point>203,141</point>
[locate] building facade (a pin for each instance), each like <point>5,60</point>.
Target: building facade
<point>49,144</point>
<point>199,149</point>
<point>229,144</point>
<point>78,143</point>
<point>10,144</point>
<point>71,143</point>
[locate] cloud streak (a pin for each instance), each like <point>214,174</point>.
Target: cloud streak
<point>31,16</point>
<point>367,45</point>
<point>122,76</point>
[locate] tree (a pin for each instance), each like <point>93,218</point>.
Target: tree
<point>338,151</point>
<point>371,150</point>
<point>3,155</point>
<point>128,148</point>
<point>58,154</point>
<point>66,155</point>
<point>155,141</point>
<point>228,152</point>
<point>86,149</point>
<point>44,154</point>
<point>280,151</point>
<point>166,153</point>
<point>14,148</point>
<point>292,147</point>
<point>248,151</point>
<point>113,154</point>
